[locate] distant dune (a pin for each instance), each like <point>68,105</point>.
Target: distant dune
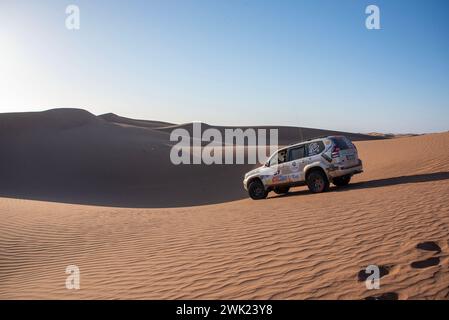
<point>287,135</point>
<point>73,156</point>
<point>111,117</point>
<point>392,135</point>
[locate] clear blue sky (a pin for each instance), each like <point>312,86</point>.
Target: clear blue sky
<point>233,62</point>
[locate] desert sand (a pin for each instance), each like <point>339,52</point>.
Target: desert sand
<point>90,195</point>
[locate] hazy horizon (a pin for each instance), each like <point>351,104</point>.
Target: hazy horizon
<point>294,63</point>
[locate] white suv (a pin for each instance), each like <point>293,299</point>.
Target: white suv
<point>316,162</point>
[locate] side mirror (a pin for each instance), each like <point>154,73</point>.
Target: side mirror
<point>267,164</point>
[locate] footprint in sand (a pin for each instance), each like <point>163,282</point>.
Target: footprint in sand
<point>384,296</point>
<point>427,246</point>
<point>425,263</point>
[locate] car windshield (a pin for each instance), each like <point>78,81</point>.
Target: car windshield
<point>278,157</point>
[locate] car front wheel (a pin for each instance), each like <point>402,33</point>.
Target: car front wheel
<point>257,190</point>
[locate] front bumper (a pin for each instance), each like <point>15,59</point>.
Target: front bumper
<point>245,184</point>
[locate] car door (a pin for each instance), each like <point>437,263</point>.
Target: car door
<point>293,169</point>
<point>273,175</point>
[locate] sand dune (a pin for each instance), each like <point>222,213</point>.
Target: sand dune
<point>72,156</point>
<point>300,246</point>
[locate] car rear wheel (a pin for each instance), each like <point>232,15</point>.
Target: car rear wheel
<point>257,190</point>
<point>341,181</point>
<point>281,190</point>
<point>317,182</point>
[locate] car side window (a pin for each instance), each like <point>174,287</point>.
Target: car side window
<point>296,153</point>
<point>278,158</point>
<point>315,148</point>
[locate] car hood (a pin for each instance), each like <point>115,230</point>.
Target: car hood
<point>253,172</point>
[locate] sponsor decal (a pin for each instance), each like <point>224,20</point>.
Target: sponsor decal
<point>294,167</point>
<point>294,177</point>
<point>314,148</point>
<point>279,179</point>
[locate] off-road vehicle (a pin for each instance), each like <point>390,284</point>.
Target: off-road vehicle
<point>317,163</point>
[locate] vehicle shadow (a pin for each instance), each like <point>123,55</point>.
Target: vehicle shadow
<point>417,178</point>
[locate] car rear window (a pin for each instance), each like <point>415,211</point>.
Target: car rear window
<point>315,148</point>
<point>342,143</point>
